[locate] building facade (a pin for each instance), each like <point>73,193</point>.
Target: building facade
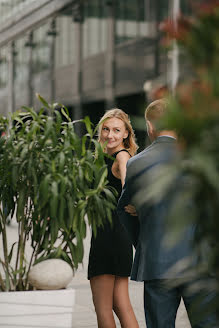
<point>90,55</point>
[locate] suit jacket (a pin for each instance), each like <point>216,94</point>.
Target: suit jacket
<point>149,231</point>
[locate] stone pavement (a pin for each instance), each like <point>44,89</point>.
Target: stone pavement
<point>83,315</point>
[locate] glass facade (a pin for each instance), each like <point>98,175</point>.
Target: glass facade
<point>134,19</point>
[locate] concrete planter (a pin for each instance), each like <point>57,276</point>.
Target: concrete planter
<point>37,309</point>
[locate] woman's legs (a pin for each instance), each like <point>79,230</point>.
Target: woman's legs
<point>102,288</point>
<point>122,305</point>
<point>111,293</point>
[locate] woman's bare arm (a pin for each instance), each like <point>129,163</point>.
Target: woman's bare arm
<point>122,159</point>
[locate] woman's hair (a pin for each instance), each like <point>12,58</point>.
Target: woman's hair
<point>129,142</point>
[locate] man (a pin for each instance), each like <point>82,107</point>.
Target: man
<point>155,261</point>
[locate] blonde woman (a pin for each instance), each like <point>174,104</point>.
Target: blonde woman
<point>111,255</point>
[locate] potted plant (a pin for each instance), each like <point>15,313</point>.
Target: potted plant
<point>53,179</point>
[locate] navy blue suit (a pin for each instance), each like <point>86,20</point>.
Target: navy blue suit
<point>150,234</point>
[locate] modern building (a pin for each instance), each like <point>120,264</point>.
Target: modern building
<point>89,55</point>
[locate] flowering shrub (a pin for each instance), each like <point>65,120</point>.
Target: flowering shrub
<point>194,115</point>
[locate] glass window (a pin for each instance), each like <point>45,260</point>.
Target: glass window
<point>94,28</point>
<point>186,7</point>
<point>141,10</point>
<point>132,18</point>
<point>21,57</point>
<point>131,10</point>
<point>163,10</point>
<point>65,40</point>
<point>3,68</point>
<point>125,17</point>
<point>94,8</point>
<point>41,49</point>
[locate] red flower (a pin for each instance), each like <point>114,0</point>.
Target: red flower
<point>176,30</point>
<point>207,8</point>
<point>160,92</point>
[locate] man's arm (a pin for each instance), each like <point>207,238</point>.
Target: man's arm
<point>131,223</point>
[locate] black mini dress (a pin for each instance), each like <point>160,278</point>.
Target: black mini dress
<point>111,251</point>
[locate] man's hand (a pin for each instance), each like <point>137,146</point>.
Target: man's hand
<point>131,210</point>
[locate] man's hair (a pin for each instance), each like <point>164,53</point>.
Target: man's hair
<point>156,110</point>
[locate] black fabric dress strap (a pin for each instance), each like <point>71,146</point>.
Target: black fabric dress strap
<point>115,154</point>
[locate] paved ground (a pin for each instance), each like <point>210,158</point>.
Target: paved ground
<point>83,315</point>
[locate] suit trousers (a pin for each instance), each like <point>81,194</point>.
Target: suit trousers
<point>161,302</point>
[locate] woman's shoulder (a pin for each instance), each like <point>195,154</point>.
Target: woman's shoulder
<point>122,155</point>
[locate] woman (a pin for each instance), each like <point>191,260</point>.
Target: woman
<point>111,255</point>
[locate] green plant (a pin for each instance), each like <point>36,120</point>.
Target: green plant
<point>51,181</point>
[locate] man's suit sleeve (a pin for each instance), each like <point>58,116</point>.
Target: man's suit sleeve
<point>131,223</point>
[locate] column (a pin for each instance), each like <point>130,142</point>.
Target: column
<point>110,56</point>
<point>175,50</point>
<point>52,34</point>
<point>157,18</point>
<point>30,84</point>
<point>78,27</point>
<point>11,78</point>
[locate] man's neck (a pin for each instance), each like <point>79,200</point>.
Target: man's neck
<point>167,133</point>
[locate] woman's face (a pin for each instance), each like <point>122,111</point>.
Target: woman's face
<point>113,132</point>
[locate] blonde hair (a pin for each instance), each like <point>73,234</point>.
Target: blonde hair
<point>129,142</point>
<point>156,110</point>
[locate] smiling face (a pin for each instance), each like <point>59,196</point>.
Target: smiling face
<point>113,132</point>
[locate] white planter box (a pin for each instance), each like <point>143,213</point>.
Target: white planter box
<point>37,309</point>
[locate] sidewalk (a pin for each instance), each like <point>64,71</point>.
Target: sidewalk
<point>83,315</point>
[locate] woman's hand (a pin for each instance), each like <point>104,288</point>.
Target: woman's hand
<point>131,210</point>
